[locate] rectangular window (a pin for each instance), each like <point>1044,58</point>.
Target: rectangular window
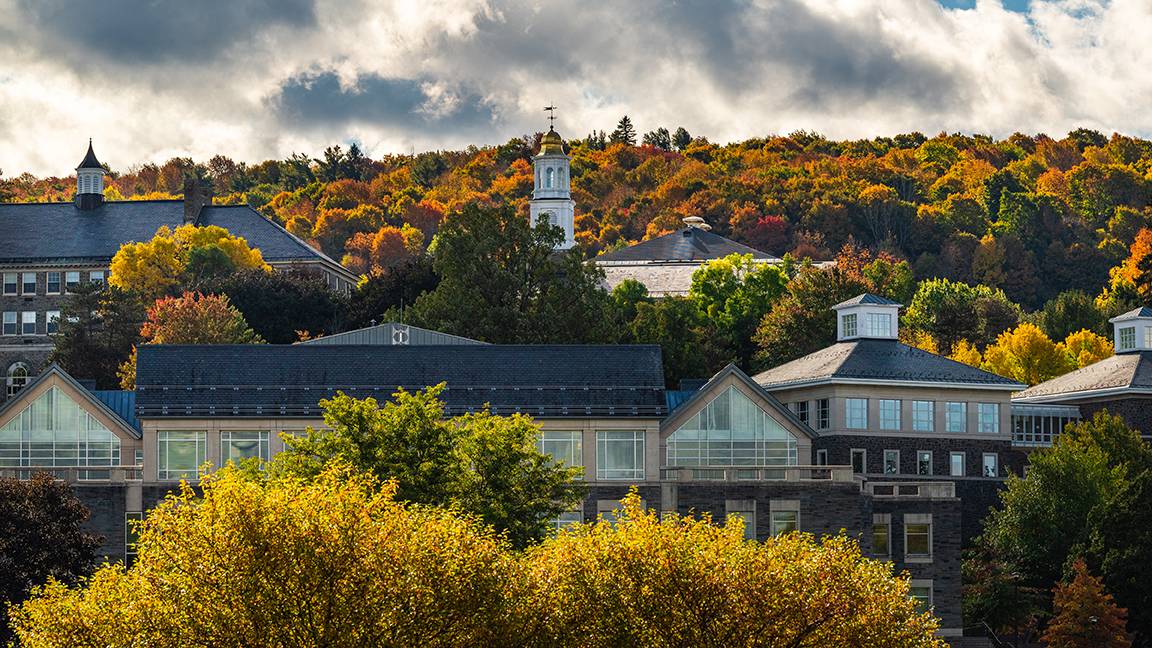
<point>745,510</point>
<point>923,416</point>
<point>620,455</point>
<point>236,445</point>
<point>889,415</point>
<point>563,446</point>
<point>856,413</point>
<point>28,283</point>
<point>878,325</point>
<point>859,461</point>
<point>823,414</point>
<point>52,319</point>
<point>1148,337</point>
<point>917,537</point>
<point>11,283</point>
<point>822,457</point>
<point>955,417</point>
<point>991,464</point>
<point>52,287</point>
<point>891,462</point>
<point>924,462</point>
<point>96,277</point>
<point>922,594</point>
<point>882,534</point>
<point>802,411</point>
<point>785,522</point>
<point>131,536</point>
<point>848,324</point>
<point>568,519</point>
<point>988,418</point>
<point>71,280</point>
<point>1127,338</point>
<point>956,464</point>
<point>28,323</point>
<point>180,454</point>
<point>9,323</point>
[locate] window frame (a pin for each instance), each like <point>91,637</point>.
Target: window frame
<point>952,456</point>
<point>926,534</point>
<point>163,471</point>
<point>863,454</point>
<point>48,290</point>
<point>984,464</point>
<point>892,456</point>
<point>70,285</point>
<point>784,517</point>
<point>948,418</point>
<point>24,283</point>
<point>263,444</point>
<point>849,325</point>
<point>917,416</point>
<point>823,414</point>
<point>98,276</point>
<point>980,410</point>
<point>848,413</point>
<point>639,448</point>
<point>14,284</point>
<point>1127,338</point>
<point>51,321</point>
<point>822,457</point>
<point>25,321</point>
<point>575,439</point>
<point>920,456</point>
<point>746,509</point>
<point>882,521</point>
<point>878,325</point>
<point>9,323</point>
<point>885,424</point>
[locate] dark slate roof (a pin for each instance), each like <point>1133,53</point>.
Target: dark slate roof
<point>289,380</point>
<point>1121,371</point>
<point>866,298</point>
<point>122,403</point>
<point>1143,311</point>
<point>90,161</point>
<point>880,360</point>
<point>60,232</point>
<point>690,244</point>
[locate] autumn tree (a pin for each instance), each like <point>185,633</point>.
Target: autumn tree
<point>282,306</point>
<point>483,464</point>
<point>98,329</point>
<point>734,293</point>
<point>180,257</point>
<point>1026,355</point>
<point>42,537</point>
<point>1085,615</point>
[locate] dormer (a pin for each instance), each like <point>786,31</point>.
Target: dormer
<point>89,181</point>
<point>1132,331</point>
<point>867,317</point>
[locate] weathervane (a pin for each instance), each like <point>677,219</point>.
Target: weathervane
<point>551,110</point>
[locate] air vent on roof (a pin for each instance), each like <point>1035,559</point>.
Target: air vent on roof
<point>400,334</point>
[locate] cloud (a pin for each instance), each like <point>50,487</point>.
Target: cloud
<point>264,78</point>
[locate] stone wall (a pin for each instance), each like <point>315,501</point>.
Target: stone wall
<point>1136,412</point>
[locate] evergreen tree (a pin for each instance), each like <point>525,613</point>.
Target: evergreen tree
<point>625,132</point>
<point>681,139</point>
<point>659,138</point>
<point>1085,615</point>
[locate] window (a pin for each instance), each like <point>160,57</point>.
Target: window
<point>823,414</point>
<point>924,462</point>
<point>922,594</point>
<point>918,535</point>
<point>956,464</point>
<point>1148,337</point>
<point>138,457</point>
<point>878,325</point>
<point>568,519</point>
<point>991,465</point>
<point>856,413</point>
<point>9,323</point>
<point>988,418</point>
<point>891,462</point>
<point>746,510</point>
<point>954,417</point>
<point>54,431</point>
<point>882,534</point>
<point>132,523</point>
<point>563,446</point>
<point>859,461</point>
<point>53,285</point>
<point>10,283</point>
<point>96,277</point>
<point>236,446</point>
<point>52,319</point>
<point>923,416</point>
<point>620,455</point>
<point>731,430</point>
<point>28,323</point>
<point>28,283</point>
<point>71,280</point>
<point>889,415</point>
<point>549,176</point>
<point>802,411</point>
<point>785,521</point>
<point>180,453</point>
<point>1127,338</point>
<point>848,324</point>
<point>822,457</point>
<point>16,379</point>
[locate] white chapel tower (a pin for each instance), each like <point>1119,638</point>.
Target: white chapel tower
<point>552,196</point>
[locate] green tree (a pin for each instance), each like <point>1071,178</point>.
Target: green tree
<point>1068,312</point>
<point>687,340</point>
<point>681,139</point>
<point>99,327</point>
<point>1120,545</point>
<point>391,290</point>
<point>42,536</point>
<point>734,293</point>
<point>950,311</point>
<point>482,464</point>
<point>659,138</point>
<point>280,306</point>
<point>625,132</point>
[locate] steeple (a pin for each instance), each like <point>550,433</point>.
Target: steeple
<point>552,194</point>
<point>89,181</point>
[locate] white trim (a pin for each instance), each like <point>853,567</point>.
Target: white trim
<point>1089,393</point>
<point>807,382</point>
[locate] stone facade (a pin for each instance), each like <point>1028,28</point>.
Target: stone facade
<point>1135,410</point>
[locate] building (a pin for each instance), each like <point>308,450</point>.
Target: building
<point>48,249</point>
<point>665,264</point>
<point>392,333</point>
<point>552,189</point>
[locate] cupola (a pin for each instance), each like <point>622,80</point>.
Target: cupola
<point>552,202</point>
<point>867,316</point>
<point>1132,331</point>
<point>89,181</point>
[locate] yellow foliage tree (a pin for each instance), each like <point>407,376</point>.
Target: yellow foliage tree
<point>1085,347</point>
<point>966,352</point>
<point>1026,354</point>
<point>152,268</point>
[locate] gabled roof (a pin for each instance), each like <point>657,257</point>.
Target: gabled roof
<point>879,361</point>
<point>687,245</point>
<point>1143,311</point>
<point>1124,372</point>
<point>392,333</point>
<point>290,380</point>
<point>866,299</point>
<point>90,161</point>
<point>130,425</point>
<point>59,232</point>
<point>733,371</point>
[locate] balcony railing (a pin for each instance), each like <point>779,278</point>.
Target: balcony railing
<point>925,489</point>
<point>841,474</point>
<point>106,474</point>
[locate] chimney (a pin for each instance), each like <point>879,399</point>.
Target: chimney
<point>197,195</point>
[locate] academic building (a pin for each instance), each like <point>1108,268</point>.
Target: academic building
<point>49,249</point>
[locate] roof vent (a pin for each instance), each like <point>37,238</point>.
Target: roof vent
<point>696,222</point>
<point>400,334</point>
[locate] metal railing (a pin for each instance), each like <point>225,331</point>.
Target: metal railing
<point>925,489</point>
<point>107,474</point>
<point>841,474</point>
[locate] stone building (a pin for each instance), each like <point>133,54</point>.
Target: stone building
<point>48,249</point>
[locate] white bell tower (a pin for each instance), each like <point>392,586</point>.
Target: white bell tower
<point>552,190</point>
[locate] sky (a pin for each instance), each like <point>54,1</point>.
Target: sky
<point>254,79</point>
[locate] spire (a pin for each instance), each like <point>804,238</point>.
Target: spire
<point>89,181</point>
<point>90,161</point>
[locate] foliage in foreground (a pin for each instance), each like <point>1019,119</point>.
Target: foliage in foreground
<point>337,561</point>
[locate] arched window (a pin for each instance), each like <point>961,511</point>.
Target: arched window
<point>548,178</point>
<point>17,378</point>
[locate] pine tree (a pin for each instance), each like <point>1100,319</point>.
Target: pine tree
<point>659,138</point>
<point>625,132</point>
<point>1085,615</point>
<point>681,139</point>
